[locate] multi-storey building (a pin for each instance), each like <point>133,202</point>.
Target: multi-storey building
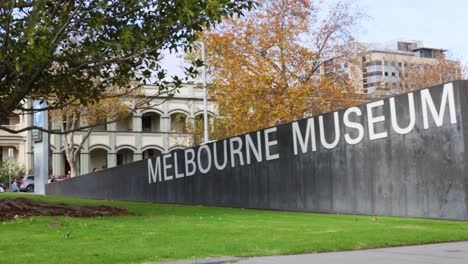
<point>387,67</point>
<point>148,132</point>
<point>20,143</point>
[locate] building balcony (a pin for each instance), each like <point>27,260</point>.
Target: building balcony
<point>7,138</point>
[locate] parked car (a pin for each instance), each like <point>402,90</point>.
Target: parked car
<point>27,183</point>
<point>56,179</point>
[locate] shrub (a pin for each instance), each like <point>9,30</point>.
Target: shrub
<point>16,171</point>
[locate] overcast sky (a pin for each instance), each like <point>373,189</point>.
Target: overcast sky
<point>437,23</point>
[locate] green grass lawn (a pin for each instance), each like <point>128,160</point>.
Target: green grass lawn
<point>168,232</point>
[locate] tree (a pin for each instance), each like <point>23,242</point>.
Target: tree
<point>413,73</point>
<point>77,49</point>
<point>216,128</point>
<point>76,122</point>
<point>419,76</point>
<point>16,172</point>
<point>269,67</point>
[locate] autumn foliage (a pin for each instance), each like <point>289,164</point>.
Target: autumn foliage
<point>268,67</point>
<point>415,73</point>
<point>418,76</point>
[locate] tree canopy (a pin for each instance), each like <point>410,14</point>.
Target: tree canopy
<point>72,50</point>
<point>273,65</point>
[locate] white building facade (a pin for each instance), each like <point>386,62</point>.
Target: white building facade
<point>20,143</point>
<point>380,68</point>
<point>151,131</point>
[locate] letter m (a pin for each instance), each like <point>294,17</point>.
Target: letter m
<point>427,102</point>
<point>304,141</point>
<point>154,172</point>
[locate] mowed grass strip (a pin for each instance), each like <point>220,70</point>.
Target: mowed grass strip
<point>160,232</point>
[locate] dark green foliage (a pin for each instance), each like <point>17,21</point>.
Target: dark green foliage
<point>77,49</point>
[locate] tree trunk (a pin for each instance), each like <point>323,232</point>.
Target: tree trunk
<point>74,165</point>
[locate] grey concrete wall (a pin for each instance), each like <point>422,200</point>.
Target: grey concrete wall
<point>418,174</point>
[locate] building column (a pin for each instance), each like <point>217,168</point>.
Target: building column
<point>84,155</point>
<point>137,128</point>
<point>165,126</point>
<point>29,162</point>
<point>57,160</point>
<point>57,164</point>
<point>111,159</point>
<point>112,154</point>
<point>84,162</point>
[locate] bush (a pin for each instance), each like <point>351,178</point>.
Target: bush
<point>16,171</point>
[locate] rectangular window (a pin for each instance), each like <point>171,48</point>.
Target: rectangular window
<point>393,74</point>
<point>372,84</point>
<point>146,123</point>
<point>370,74</point>
<point>386,73</point>
<point>374,63</point>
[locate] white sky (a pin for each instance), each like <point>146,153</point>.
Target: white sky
<point>437,23</point>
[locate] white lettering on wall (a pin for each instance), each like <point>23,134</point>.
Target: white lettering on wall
<point>447,96</point>
<point>268,144</point>
<point>225,157</point>
<point>154,173</point>
<point>208,158</point>
<point>190,162</point>
<point>304,141</point>
<point>176,168</point>
<point>167,166</point>
<point>412,115</point>
<point>354,125</point>
<point>371,120</point>
<point>236,151</point>
<point>323,140</point>
<point>251,148</point>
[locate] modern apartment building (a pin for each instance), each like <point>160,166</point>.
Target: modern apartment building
<point>386,68</point>
<point>148,132</point>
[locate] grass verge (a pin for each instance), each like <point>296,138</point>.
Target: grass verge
<point>169,232</point>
